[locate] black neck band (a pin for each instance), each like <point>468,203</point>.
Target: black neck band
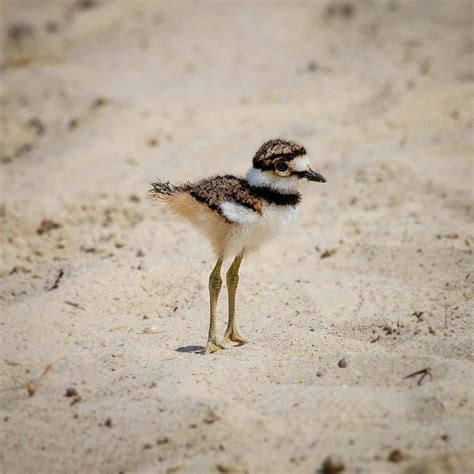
<point>275,197</point>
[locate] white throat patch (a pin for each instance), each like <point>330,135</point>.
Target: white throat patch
<point>259,178</point>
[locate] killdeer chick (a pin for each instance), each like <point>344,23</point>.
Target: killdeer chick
<point>240,214</point>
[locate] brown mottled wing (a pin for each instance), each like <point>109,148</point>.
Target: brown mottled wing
<point>215,191</point>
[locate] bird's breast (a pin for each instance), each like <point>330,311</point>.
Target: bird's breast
<point>277,218</point>
<point>253,233</point>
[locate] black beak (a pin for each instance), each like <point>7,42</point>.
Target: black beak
<point>313,176</point>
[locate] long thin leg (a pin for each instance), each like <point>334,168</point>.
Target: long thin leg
<point>215,284</point>
<point>231,333</point>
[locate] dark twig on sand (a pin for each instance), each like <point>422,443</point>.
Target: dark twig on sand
<point>75,305</point>
<point>58,279</point>
<point>423,373</point>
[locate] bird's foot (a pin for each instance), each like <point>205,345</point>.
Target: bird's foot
<point>231,334</point>
<point>213,346</point>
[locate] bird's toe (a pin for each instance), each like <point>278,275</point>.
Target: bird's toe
<point>233,336</point>
<point>213,346</point>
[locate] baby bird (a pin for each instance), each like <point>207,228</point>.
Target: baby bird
<point>239,214</point>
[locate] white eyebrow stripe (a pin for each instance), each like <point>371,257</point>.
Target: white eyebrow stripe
<point>300,163</point>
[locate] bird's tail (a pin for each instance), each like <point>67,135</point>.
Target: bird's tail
<point>163,190</point>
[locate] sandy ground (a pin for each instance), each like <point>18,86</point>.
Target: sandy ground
<point>106,295</point>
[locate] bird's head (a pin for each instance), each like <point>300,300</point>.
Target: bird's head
<point>282,164</point>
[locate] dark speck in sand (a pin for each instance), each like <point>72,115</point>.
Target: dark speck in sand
<point>342,363</point>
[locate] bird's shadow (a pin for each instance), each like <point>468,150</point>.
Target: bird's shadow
<point>193,349</point>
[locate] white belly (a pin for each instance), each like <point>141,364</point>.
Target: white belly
<point>257,229</point>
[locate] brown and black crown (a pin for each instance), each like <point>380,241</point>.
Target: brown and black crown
<point>276,150</point>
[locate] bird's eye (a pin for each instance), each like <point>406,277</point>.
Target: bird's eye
<point>280,166</point>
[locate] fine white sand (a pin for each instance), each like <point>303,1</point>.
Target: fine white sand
<point>99,98</point>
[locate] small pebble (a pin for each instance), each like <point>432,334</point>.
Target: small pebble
<point>332,465</point>
<point>342,363</point>
<point>85,4</point>
<point>211,417</point>
<point>226,469</point>
<point>108,423</point>
<point>152,142</point>
<point>397,456</point>
<point>73,123</point>
<point>75,400</point>
<point>71,392</point>
<point>147,446</point>
<point>99,102</point>
<point>151,330</point>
